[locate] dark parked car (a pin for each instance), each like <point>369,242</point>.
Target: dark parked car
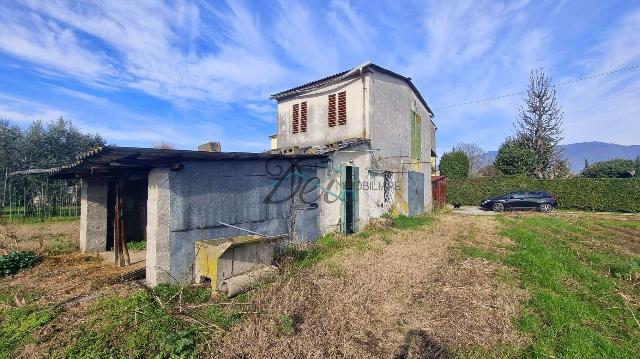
<point>542,201</point>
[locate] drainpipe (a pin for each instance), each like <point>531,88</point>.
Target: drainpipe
<point>364,106</point>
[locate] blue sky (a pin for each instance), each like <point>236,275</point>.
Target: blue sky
<point>187,72</point>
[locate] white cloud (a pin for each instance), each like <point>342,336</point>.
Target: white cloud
<point>151,46</point>
<point>24,111</point>
<point>303,40</point>
<point>33,38</point>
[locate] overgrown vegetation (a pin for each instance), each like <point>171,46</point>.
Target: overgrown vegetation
<point>168,322</point>
<point>583,286</point>
<point>605,194</point>
<point>18,324</point>
<point>137,245</point>
<point>14,262</point>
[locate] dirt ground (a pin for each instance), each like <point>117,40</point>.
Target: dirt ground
<point>410,295</point>
<point>46,237</point>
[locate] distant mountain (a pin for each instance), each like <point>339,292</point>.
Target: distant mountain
<point>592,151</point>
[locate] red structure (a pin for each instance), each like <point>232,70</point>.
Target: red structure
<point>439,191</point>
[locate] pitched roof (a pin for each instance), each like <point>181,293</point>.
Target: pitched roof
<point>348,74</point>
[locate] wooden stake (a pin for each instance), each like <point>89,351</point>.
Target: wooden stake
<point>123,237</point>
<point>116,232</point>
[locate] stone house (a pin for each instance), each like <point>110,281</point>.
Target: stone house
<point>386,135</point>
<point>349,148</point>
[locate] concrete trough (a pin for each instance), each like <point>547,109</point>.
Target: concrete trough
<point>220,259</point>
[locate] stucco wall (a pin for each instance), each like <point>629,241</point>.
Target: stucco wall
<point>371,202</point>
<point>318,132</point>
<point>391,102</point>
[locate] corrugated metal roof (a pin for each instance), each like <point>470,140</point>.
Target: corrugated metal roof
<point>111,159</point>
<point>344,75</point>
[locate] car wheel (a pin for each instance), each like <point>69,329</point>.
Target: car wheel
<point>545,207</point>
<point>498,207</point>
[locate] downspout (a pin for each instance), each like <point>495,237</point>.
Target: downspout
<point>364,106</point>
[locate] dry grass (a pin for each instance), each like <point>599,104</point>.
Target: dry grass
<point>46,237</point>
<point>410,298</point>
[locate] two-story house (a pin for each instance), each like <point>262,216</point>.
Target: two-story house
<point>379,131</point>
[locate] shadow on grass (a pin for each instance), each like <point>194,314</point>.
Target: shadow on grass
<point>420,344</point>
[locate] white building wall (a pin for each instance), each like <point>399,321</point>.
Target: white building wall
<point>318,131</point>
<point>391,102</point>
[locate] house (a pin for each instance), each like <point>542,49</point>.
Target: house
<point>387,136</point>
<point>349,148</point>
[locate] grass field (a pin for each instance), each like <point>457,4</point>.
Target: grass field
<point>582,274</point>
<point>513,285</point>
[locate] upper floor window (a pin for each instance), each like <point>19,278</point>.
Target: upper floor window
<point>303,117</point>
<point>299,118</point>
<point>342,108</point>
<point>331,114</point>
<point>295,118</point>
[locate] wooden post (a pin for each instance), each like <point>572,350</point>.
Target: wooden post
<point>116,232</point>
<point>125,260</point>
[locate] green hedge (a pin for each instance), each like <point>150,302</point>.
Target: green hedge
<point>590,194</point>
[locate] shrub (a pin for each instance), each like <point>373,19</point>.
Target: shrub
<point>617,168</point>
<point>590,194</point>
<point>454,164</point>
<point>14,262</point>
<point>515,160</point>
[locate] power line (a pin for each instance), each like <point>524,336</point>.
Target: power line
<point>489,99</point>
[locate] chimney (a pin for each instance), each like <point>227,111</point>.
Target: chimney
<point>210,147</point>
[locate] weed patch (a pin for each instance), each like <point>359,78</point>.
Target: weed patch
<point>137,245</point>
<point>134,326</point>
<point>17,325</point>
<point>406,223</point>
<point>15,262</point>
<point>287,325</point>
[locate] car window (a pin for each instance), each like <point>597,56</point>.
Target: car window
<point>518,195</point>
<point>535,194</point>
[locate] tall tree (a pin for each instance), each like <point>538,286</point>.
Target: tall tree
<point>636,167</point>
<point>539,125</point>
<point>10,137</point>
<point>475,154</point>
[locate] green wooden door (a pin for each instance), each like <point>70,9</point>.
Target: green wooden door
<point>350,198</point>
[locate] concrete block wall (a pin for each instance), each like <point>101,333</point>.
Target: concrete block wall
<point>93,215</point>
<point>158,259</point>
<point>185,206</point>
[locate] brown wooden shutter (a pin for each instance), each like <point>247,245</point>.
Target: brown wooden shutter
<point>303,117</point>
<point>342,108</point>
<point>331,114</point>
<point>294,118</point>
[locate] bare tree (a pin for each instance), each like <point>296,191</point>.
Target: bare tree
<point>162,145</point>
<point>475,154</point>
<point>539,125</point>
